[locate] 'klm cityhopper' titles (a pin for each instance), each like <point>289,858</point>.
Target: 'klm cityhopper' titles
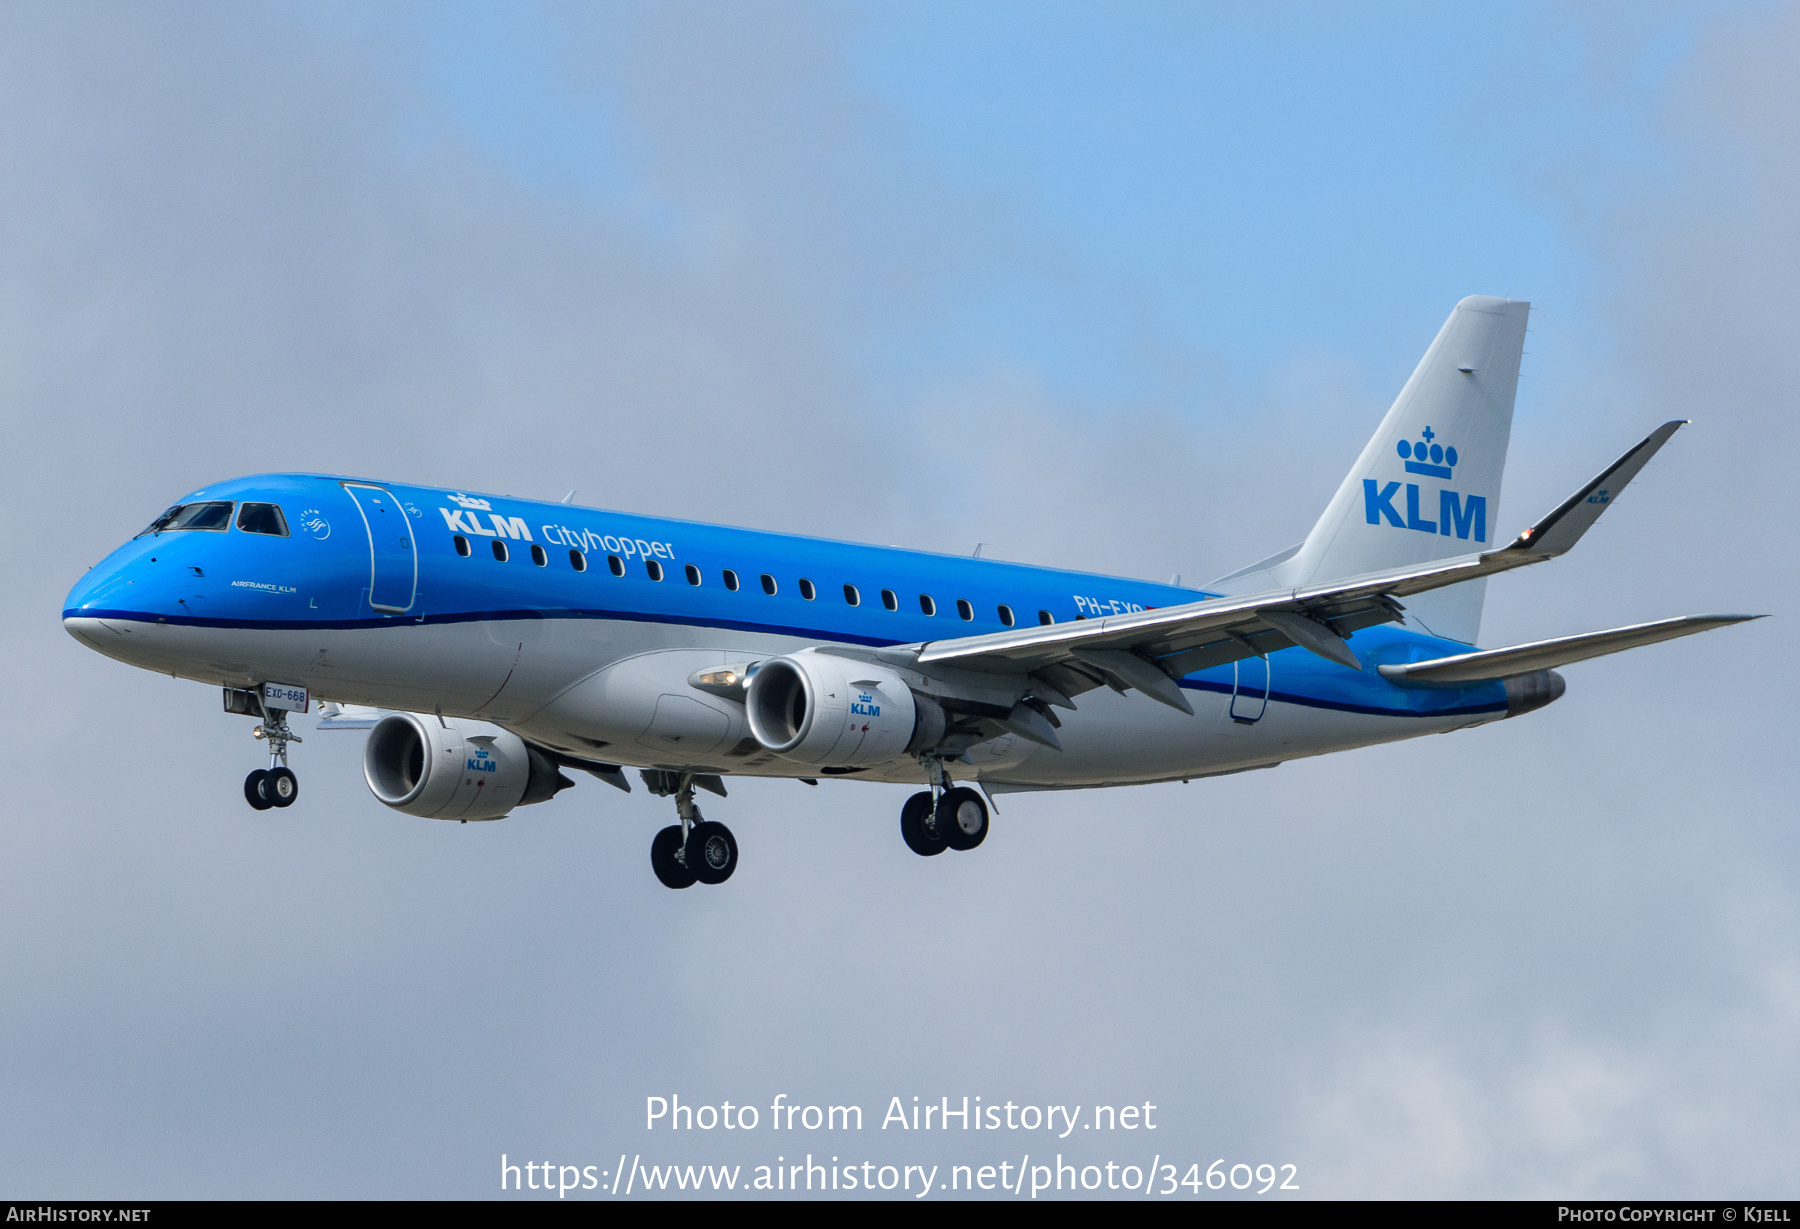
<point>467,519</point>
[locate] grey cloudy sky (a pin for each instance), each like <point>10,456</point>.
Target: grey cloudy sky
<point>1068,287</point>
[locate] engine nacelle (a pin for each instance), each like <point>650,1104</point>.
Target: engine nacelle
<point>451,768</point>
<point>835,711</point>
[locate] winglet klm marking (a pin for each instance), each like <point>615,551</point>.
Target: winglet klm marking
<point>1559,531</point>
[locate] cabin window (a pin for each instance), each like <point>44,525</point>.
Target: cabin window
<point>693,574</point>
<point>768,584</point>
<point>578,561</point>
<point>965,611</point>
<point>615,565</point>
<point>262,518</point>
<point>926,604</point>
<point>209,515</point>
<point>731,580</point>
<point>806,589</point>
<point>462,545</point>
<point>538,556</point>
<point>1046,618</point>
<point>499,549</point>
<point>851,596</point>
<point>1006,614</point>
<point>890,599</point>
<point>654,568</point>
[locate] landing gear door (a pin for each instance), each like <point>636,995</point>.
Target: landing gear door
<point>394,561</point>
<point>1250,696</point>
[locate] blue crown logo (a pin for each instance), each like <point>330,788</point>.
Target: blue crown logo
<point>1427,457</point>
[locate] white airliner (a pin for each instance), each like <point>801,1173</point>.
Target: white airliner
<point>488,643</point>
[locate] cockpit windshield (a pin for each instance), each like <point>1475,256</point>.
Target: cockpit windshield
<point>209,515</point>
<point>262,518</point>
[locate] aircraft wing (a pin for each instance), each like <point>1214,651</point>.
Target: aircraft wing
<point>1149,649</point>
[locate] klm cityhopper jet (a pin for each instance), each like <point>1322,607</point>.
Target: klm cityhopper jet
<point>489,643</point>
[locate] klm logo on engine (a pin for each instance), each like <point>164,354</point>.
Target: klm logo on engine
<point>483,761</point>
<point>865,705</point>
<point>1455,514</point>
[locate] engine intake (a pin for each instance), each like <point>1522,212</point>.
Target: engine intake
<point>827,710</point>
<point>451,768</point>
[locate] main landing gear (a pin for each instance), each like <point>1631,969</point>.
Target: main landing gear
<point>696,850</point>
<point>276,785</point>
<point>944,816</point>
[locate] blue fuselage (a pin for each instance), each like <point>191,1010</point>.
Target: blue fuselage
<point>423,599</point>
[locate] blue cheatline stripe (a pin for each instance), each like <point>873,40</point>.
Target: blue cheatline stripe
<point>503,616</point>
<point>485,616</point>
<point>1368,710</point>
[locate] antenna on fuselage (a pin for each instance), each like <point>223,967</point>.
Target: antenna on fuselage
<point>570,497</point>
<point>978,547</point>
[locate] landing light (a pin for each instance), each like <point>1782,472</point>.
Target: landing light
<point>728,682</point>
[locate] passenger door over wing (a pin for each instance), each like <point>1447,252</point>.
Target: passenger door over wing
<point>393,563</point>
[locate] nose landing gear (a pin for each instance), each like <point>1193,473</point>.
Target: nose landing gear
<point>697,850</point>
<point>276,785</point>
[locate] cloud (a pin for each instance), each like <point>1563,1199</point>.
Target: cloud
<point>1551,956</point>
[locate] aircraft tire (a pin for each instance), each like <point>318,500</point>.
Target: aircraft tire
<point>712,852</point>
<point>962,818</point>
<point>253,789</point>
<point>663,860</point>
<point>918,827</point>
<point>281,787</point>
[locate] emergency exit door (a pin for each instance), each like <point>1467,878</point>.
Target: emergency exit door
<point>393,561</point>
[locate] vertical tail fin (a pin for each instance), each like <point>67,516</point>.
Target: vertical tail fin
<point>1427,485</point>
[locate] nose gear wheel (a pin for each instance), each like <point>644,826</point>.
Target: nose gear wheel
<point>276,785</point>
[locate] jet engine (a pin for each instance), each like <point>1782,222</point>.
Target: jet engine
<point>450,768</point>
<point>827,710</point>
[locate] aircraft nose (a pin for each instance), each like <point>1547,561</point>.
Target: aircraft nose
<point>112,610</point>
<point>94,589</point>
<point>94,633</point>
<point>85,593</point>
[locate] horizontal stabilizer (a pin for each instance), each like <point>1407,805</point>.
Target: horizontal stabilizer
<point>1489,664</point>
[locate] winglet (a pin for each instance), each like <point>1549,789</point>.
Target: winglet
<point>1559,531</point>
